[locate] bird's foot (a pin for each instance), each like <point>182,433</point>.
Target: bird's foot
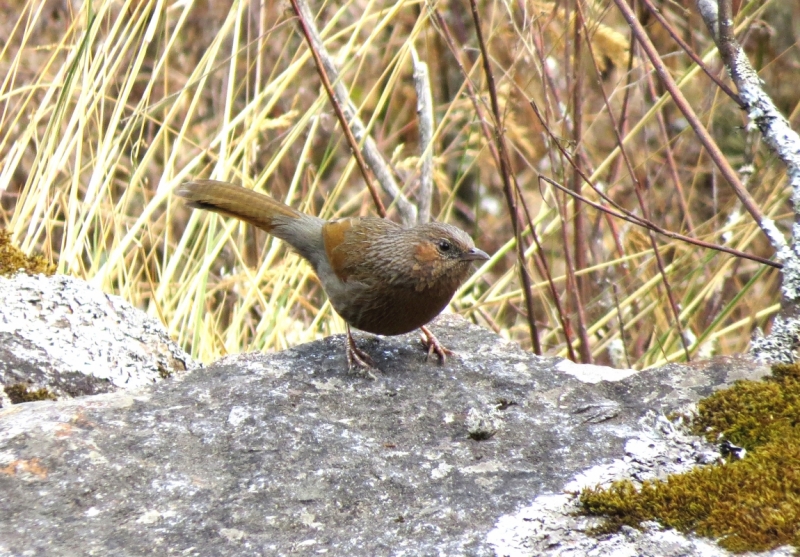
<point>357,358</point>
<point>432,344</point>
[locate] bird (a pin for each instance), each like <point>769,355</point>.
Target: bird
<point>380,277</point>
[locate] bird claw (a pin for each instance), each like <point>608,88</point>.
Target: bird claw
<point>432,344</point>
<point>357,358</point>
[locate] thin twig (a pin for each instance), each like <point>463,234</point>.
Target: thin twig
<point>579,284</point>
<point>671,163</point>
<point>700,131</point>
<point>550,89</point>
<point>785,142</point>
<point>622,125</point>
<point>621,323</point>
<point>662,270</point>
<point>777,132</point>
<point>690,52</point>
<point>624,213</point>
<point>538,257</point>
<point>645,212</point>
<point>505,171</point>
<point>663,232</point>
<point>471,93</point>
<point>544,269</point>
<point>351,124</point>
<point>422,84</point>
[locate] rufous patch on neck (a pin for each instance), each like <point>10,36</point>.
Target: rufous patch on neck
<point>333,233</point>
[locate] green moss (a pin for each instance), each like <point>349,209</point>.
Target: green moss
<point>164,372</point>
<point>752,504</point>
<point>12,259</point>
<point>19,392</point>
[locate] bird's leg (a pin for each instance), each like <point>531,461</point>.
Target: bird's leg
<point>357,357</point>
<point>432,344</point>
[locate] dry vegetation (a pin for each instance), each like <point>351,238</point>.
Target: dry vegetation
<point>105,109</point>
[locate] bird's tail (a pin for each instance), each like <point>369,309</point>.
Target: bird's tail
<point>301,231</point>
<point>236,201</point>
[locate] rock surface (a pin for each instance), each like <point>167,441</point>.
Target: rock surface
<point>63,337</point>
<point>288,453</point>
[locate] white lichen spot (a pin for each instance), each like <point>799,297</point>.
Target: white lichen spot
<point>232,534</point>
<point>310,520</point>
<point>593,374</point>
<point>441,471</point>
<point>482,424</point>
<point>149,517</point>
<point>238,415</point>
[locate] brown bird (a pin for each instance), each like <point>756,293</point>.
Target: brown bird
<point>380,277</point>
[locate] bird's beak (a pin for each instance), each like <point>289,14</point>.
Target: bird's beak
<point>474,254</point>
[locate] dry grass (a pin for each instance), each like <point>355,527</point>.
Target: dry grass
<point>106,110</point>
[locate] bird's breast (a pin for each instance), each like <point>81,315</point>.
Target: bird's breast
<point>389,310</point>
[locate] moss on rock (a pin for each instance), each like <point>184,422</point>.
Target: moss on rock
<point>748,504</point>
<point>19,392</point>
<point>12,259</point>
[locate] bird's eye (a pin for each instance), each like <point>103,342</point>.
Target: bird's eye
<point>444,246</point>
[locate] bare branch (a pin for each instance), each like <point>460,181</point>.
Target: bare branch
<point>779,135</point>
<point>505,173</point>
<point>368,154</point>
<point>422,84</point>
<point>689,51</point>
<point>700,131</point>
<point>637,186</point>
<point>649,225</point>
<point>781,343</point>
<point>538,257</point>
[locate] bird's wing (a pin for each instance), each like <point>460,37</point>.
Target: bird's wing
<point>349,245</point>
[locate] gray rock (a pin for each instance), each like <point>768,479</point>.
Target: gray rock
<point>289,453</point>
<point>62,335</point>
